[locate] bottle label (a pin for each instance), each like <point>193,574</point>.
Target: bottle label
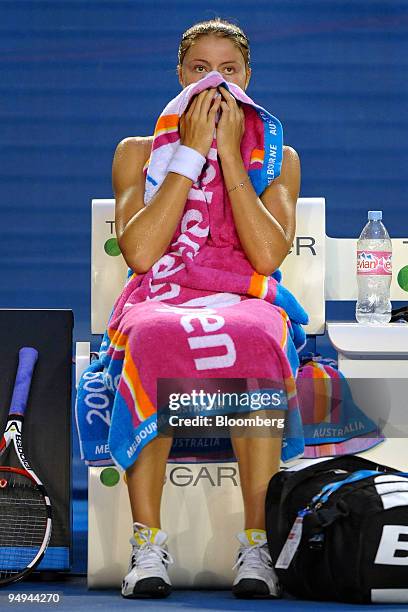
<point>374,262</point>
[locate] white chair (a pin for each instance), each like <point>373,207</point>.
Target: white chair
<point>202,503</point>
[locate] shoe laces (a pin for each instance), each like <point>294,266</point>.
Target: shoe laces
<point>254,555</point>
<point>146,555</point>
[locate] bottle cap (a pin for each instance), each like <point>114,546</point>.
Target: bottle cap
<point>374,215</point>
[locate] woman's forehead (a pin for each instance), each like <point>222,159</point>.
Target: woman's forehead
<point>213,47</point>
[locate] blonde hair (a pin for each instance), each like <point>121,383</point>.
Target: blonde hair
<point>218,27</point>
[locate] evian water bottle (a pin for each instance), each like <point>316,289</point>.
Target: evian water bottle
<point>374,271</point>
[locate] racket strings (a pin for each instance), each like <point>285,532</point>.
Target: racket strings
<point>23,522</point>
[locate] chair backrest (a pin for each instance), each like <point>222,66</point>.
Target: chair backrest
<point>317,268</point>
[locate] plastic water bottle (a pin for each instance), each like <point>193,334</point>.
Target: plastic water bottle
<point>374,272</point>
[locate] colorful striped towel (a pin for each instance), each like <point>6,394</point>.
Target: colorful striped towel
<point>318,395</point>
<point>202,311</point>
<point>332,422</point>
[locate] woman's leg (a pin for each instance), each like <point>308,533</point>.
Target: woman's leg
<point>145,479</point>
<point>258,460</point>
<point>147,574</point>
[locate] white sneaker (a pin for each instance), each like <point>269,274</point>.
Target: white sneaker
<point>147,573</point>
<point>256,576</point>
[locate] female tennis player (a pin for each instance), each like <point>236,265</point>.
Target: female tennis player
<point>206,46</point>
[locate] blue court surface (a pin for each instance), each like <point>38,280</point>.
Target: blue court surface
<point>74,594</point>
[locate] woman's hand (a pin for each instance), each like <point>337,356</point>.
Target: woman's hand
<point>231,126</point>
<point>197,123</point>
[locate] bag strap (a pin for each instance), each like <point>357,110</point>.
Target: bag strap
<point>331,487</point>
<point>348,462</point>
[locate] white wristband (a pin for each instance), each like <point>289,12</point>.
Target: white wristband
<point>188,162</point>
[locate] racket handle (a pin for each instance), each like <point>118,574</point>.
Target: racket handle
<point>27,359</point>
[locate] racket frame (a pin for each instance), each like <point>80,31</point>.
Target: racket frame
<point>13,433</point>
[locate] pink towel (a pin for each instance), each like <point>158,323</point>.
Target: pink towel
<point>202,311</point>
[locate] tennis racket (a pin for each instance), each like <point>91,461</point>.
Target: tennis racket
<point>25,509</point>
